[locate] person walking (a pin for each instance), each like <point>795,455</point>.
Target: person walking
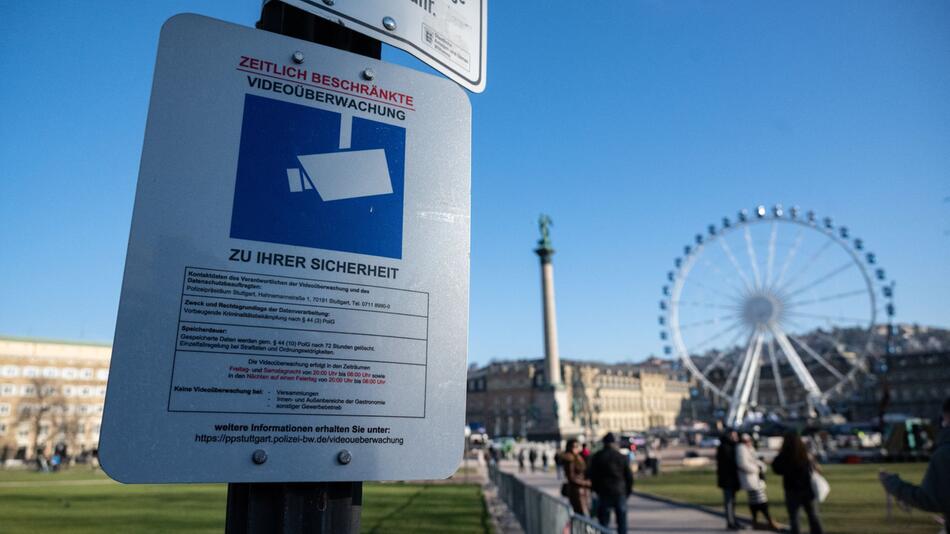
<point>521,460</point>
<point>727,475</point>
<point>752,480</point>
<point>612,480</point>
<point>532,457</point>
<point>933,494</point>
<point>575,471</point>
<point>544,459</point>
<point>795,466</point>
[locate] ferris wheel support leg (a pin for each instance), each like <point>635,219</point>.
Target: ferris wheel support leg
<point>776,375</point>
<point>739,404</point>
<point>815,398</point>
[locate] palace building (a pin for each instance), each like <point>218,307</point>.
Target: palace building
<point>51,396</point>
<point>513,399</point>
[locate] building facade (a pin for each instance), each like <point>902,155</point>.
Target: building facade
<point>914,384</point>
<point>513,398</point>
<point>51,397</point>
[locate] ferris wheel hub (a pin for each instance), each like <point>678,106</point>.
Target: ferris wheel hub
<point>761,309</point>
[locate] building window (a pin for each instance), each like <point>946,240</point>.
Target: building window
<point>31,372</point>
<point>50,372</point>
<point>85,374</point>
<point>70,373</point>
<point>102,374</point>
<point>8,390</point>
<point>9,370</point>
<point>4,409</point>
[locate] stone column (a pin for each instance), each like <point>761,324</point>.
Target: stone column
<point>552,360</point>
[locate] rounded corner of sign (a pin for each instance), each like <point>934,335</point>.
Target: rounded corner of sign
<point>477,87</point>
<point>113,470</point>
<point>446,472</point>
<point>459,90</point>
<point>178,19</point>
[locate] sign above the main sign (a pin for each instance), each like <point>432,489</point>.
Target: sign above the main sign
<point>449,35</point>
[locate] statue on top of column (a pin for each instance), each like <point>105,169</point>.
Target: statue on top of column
<point>544,225</point>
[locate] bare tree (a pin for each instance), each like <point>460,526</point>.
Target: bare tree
<point>68,427</point>
<point>39,408</point>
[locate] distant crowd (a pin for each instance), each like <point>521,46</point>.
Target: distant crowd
<point>600,483</point>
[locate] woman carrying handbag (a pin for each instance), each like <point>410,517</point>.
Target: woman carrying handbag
<point>796,467</point>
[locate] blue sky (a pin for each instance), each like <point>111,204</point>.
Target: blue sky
<point>633,124</point>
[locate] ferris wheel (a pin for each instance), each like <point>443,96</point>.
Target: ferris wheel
<point>776,311</point>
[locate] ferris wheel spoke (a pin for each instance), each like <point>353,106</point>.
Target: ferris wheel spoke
<point>728,283</point>
<point>792,322</point>
<point>808,263</point>
<point>795,361</point>
<point>711,365</point>
<point>703,304</point>
<point>735,368</point>
<point>776,375</point>
<point>714,290</point>
<point>835,342</point>
<point>714,320</point>
<point>771,258</point>
<point>748,369</point>
<point>789,257</point>
<point>735,263</point>
<point>828,318</point>
<point>837,296</point>
<point>717,335</point>
<point>840,348</point>
<point>753,260</point>
<point>818,358</point>
<point>822,279</point>
<point>756,380</point>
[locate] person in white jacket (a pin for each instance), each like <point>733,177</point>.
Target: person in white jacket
<point>752,479</point>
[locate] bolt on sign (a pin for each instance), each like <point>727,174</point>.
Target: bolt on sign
<point>449,35</point>
<point>295,298</point>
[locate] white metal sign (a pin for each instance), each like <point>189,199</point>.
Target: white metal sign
<point>295,299</point>
<point>449,35</point>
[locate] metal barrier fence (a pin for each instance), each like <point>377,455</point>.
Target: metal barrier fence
<point>538,512</point>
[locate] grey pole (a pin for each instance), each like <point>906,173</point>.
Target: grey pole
<point>301,507</point>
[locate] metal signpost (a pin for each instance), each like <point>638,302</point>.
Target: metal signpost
<point>295,301</point>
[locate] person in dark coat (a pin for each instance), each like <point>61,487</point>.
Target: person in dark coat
<point>933,494</point>
<point>532,458</point>
<point>796,467</point>
<point>575,471</point>
<point>612,480</point>
<point>727,475</point>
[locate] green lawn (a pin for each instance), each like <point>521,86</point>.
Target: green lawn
<point>856,503</point>
<point>85,501</point>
